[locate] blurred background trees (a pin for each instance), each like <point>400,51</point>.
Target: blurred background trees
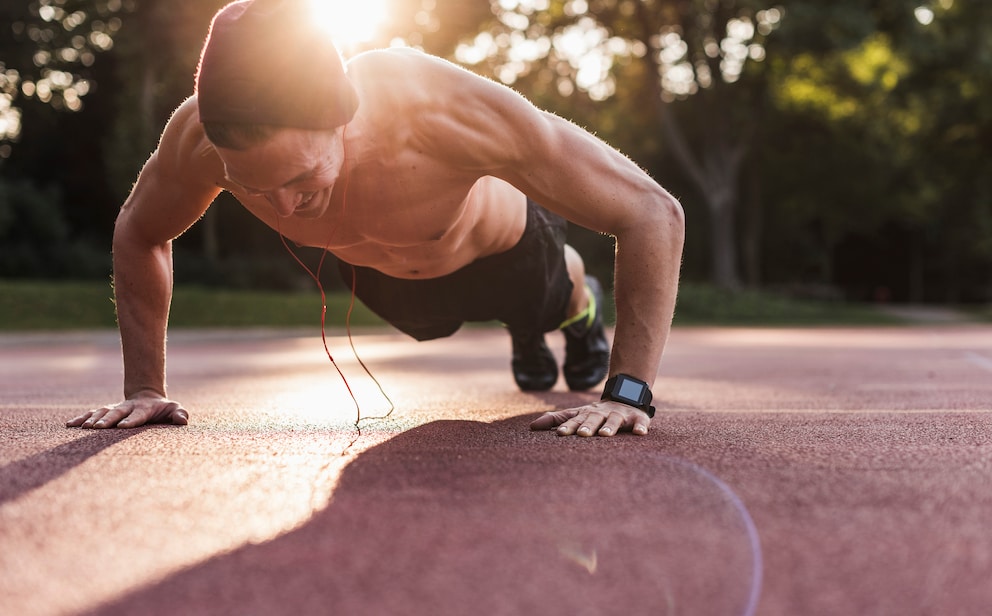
<point>837,149</point>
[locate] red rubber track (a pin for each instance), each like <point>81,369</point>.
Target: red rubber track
<point>789,471</point>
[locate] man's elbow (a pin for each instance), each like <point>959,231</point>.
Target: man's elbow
<point>673,214</point>
<point>666,219</point>
<point>129,240</point>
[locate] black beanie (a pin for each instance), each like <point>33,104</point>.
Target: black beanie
<point>268,62</point>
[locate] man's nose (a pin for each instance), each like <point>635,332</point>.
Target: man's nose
<point>284,201</point>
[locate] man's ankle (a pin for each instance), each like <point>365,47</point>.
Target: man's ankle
<point>585,317</point>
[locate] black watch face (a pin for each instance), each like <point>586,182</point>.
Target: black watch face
<point>629,390</point>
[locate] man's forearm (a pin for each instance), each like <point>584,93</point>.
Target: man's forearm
<point>648,260</point>
<point>143,292</point>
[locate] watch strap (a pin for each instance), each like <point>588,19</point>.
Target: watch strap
<point>645,405</point>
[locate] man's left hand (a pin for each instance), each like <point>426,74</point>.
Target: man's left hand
<point>603,418</point>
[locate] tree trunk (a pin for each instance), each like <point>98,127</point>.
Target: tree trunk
<point>715,165</point>
<point>753,225</point>
<point>723,247</point>
<point>916,268</point>
<point>716,178</point>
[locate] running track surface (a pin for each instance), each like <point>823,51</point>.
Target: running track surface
<point>789,471</point>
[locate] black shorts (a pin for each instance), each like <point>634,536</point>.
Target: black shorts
<point>527,287</point>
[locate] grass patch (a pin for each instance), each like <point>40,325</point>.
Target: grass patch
<point>982,314</point>
<point>28,305</point>
<point>708,305</point>
<point>43,305</point>
<point>199,307</point>
<point>61,305</point>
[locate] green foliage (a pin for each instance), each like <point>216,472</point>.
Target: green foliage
<point>157,50</point>
<point>35,235</point>
<point>852,85</point>
<point>47,51</point>
<point>26,210</point>
<point>706,304</point>
<point>35,305</point>
<point>897,130</point>
<point>202,307</point>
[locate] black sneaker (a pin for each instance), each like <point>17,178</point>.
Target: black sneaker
<point>587,353</point>
<point>534,366</point>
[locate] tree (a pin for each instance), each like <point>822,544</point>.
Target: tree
<point>703,51</point>
<point>950,176</point>
<point>894,106</point>
<point>51,45</point>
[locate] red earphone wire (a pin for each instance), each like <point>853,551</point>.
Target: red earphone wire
<point>351,303</point>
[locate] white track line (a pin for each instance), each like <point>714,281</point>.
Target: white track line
<point>979,360</point>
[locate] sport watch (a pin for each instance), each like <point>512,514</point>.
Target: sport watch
<point>628,390</point>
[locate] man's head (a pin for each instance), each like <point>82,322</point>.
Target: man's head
<point>267,65</point>
<point>295,170</point>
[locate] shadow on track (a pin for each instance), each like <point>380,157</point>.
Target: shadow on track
<point>460,517</point>
<point>36,470</point>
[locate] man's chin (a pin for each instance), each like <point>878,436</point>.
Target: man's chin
<point>309,213</point>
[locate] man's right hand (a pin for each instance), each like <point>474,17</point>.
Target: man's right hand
<point>137,411</point>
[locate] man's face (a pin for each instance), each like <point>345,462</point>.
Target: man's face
<point>295,170</point>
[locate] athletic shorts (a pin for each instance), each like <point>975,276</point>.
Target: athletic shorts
<point>527,287</point>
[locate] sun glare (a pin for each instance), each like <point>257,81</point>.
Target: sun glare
<point>350,22</point>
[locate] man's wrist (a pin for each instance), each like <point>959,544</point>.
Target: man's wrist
<point>144,392</point>
<point>629,390</point>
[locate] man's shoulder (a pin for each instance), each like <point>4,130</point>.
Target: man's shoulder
<point>404,68</point>
<point>183,130</point>
<point>388,58</point>
<point>184,145</point>
<point>403,84</point>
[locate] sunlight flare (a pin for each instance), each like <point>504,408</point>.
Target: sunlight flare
<point>350,23</point>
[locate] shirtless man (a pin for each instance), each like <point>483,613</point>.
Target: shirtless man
<point>424,180</point>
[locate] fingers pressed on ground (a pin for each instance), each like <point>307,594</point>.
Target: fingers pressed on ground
<point>641,425</point>
<point>139,416</point>
<point>551,419</point>
<point>569,427</point>
<point>591,425</point>
<point>94,417</point>
<point>111,417</point>
<point>612,425</point>
<point>77,421</point>
<point>179,417</point>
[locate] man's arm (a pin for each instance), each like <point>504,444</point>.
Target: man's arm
<point>614,196</point>
<point>573,173</point>
<point>172,192</point>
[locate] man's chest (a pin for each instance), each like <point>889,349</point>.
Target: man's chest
<point>402,204</point>
<point>407,215</point>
